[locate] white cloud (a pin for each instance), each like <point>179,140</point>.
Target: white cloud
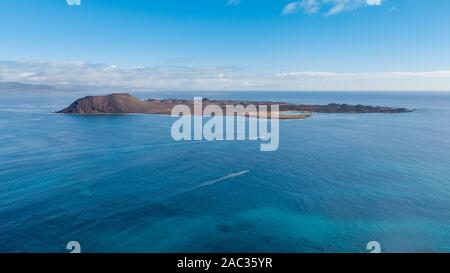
<point>91,74</point>
<point>374,2</point>
<point>308,6</point>
<point>329,7</point>
<point>445,74</point>
<point>291,8</point>
<point>438,80</point>
<point>178,77</point>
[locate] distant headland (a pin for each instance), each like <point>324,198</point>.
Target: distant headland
<point>123,103</point>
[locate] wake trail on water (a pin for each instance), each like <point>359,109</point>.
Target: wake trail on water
<point>209,183</point>
<point>212,182</point>
<point>167,207</point>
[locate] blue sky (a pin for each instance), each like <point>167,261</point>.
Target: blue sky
<point>231,45</point>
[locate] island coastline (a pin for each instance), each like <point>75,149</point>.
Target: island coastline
<point>124,103</point>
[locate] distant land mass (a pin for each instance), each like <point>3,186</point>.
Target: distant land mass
<point>124,103</point>
<point>25,87</point>
<point>34,88</point>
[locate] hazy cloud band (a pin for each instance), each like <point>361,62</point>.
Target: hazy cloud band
<point>213,78</point>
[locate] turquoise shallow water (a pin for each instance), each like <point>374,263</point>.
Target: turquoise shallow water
<point>121,184</point>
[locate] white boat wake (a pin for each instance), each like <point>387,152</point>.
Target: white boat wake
<point>211,182</point>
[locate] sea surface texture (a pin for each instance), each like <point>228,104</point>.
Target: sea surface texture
<point>120,183</point>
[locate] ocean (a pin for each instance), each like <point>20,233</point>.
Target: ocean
<point>120,183</point>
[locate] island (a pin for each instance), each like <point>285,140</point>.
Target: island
<point>124,103</point>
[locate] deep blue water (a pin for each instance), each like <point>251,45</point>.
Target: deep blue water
<point>121,184</point>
